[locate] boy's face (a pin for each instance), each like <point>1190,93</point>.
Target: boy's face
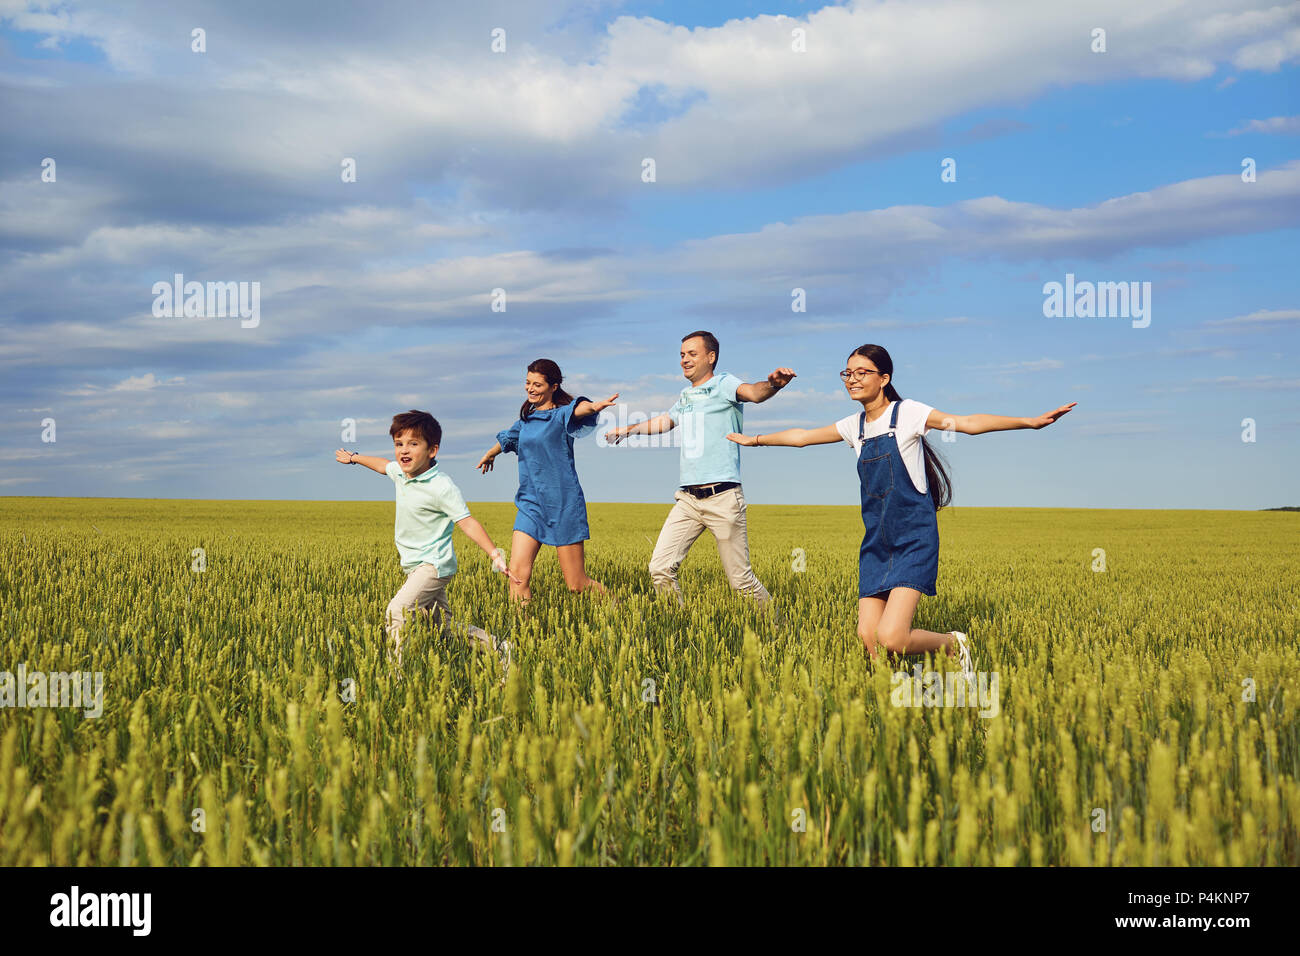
<point>414,455</point>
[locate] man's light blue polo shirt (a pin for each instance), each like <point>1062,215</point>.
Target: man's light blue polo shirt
<point>706,413</point>
<point>428,507</point>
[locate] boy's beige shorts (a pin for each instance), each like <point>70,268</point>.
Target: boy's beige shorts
<point>424,590</point>
<point>724,515</point>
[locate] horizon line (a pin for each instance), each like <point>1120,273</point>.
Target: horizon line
<point>1278,508</point>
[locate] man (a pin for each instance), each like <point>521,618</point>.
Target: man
<point>709,493</point>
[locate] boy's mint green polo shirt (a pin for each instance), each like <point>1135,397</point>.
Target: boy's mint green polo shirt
<point>428,507</point>
<point>706,413</point>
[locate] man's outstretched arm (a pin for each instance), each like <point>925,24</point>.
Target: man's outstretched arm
<point>762,391</point>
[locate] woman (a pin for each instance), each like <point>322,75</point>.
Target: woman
<point>551,507</point>
<point>904,484</point>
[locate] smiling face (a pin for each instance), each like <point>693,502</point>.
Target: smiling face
<point>539,390</point>
<point>862,387</point>
<point>414,455</point>
<point>697,360</point>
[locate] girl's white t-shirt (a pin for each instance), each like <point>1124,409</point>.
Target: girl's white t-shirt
<point>911,427</point>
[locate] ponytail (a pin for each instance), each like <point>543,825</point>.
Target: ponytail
<point>936,477</point>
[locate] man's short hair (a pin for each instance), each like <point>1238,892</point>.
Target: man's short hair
<point>710,342</point>
<point>422,423</point>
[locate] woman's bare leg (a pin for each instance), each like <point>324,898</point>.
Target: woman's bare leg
<point>523,552</point>
<point>894,629</point>
<point>572,559</point>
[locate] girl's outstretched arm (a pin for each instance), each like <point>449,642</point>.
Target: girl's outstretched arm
<point>791,437</point>
<point>979,424</point>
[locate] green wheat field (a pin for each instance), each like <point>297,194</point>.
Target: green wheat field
<point>250,716</point>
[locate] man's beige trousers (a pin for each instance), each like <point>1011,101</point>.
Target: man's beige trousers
<point>724,515</point>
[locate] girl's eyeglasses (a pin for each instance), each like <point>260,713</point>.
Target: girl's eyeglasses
<point>858,374</point>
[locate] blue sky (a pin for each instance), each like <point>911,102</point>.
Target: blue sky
<point>775,169</point>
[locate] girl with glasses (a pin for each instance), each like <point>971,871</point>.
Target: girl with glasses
<point>904,484</point>
<point>550,503</point>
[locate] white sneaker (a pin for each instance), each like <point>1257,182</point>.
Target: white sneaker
<point>963,654</point>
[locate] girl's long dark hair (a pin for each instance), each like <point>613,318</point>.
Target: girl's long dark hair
<point>936,472</point>
<point>551,372</point>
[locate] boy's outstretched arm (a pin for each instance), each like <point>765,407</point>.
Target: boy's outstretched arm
<point>478,534</point>
<point>373,462</point>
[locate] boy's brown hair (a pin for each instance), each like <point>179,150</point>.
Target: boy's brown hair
<point>422,423</point>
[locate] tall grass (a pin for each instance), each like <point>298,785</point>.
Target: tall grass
<point>641,732</point>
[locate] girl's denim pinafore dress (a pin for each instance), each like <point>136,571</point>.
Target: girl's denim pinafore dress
<point>901,546</point>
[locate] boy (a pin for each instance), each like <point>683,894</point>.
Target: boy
<point>428,504</point>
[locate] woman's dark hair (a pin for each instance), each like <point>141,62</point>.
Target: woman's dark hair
<point>936,472</point>
<point>551,372</point>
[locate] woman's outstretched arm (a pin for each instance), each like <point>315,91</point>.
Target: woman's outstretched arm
<point>791,437</point>
<point>979,424</point>
<point>585,408</point>
<point>485,463</point>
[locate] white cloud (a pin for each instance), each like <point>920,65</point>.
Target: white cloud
<point>143,383</point>
<point>550,115</point>
<point>1118,429</point>
<point>917,236</point>
<point>136,383</point>
<point>1267,383</point>
<point>229,399</point>
<point>913,323</point>
<point>1263,318</point>
<point>344,272</point>
<point>166,431</point>
<point>1029,365</point>
<point>1274,124</point>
